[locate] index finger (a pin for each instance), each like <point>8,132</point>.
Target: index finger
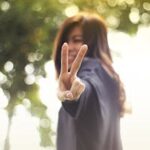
<point>77,62</point>
<point>64,58</point>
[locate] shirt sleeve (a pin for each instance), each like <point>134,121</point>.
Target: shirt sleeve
<point>77,108</point>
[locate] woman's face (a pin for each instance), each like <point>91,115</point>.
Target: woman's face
<point>75,40</point>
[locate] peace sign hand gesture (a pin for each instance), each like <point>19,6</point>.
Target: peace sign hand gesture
<point>70,86</point>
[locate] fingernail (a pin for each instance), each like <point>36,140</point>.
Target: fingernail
<point>85,46</point>
<point>65,44</point>
<point>69,95</point>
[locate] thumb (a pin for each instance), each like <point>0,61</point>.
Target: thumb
<point>64,95</point>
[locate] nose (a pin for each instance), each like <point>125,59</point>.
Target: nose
<point>71,46</point>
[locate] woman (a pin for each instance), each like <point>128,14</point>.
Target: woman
<point>90,90</point>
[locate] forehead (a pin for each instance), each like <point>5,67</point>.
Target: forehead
<point>76,31</point>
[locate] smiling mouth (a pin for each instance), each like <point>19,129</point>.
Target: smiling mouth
<point>71,59</point>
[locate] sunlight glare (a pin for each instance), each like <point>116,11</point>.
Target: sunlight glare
<point>5,6</point>
<point>8,66</point>
<point>3,78</point>
<point>71,10</point>
<point>3,99</point>
<point>132,65</point>
<point>24,129</point>
<point>134,15</point>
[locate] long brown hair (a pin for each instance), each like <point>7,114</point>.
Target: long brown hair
<point>95,36</point>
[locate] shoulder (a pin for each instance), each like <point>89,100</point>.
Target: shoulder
<point>90,67</point>
<point>90,64</point>
<point>92,71</point>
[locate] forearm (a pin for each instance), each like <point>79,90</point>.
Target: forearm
<point>76,107</point>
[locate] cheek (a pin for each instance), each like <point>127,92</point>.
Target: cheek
<point>73,53</point>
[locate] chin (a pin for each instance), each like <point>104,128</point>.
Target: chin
<point>69,65</point>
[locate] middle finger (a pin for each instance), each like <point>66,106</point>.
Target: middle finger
<point>77,62</point>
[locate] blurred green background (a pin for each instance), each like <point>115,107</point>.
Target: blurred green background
<point>27,32</point>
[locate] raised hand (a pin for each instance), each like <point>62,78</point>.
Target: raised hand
<point>70,86</point>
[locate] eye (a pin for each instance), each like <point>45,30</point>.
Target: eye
<point>78,40</point>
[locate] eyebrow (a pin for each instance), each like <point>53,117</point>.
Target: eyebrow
<point>76,36</point>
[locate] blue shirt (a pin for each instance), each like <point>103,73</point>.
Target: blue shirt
<point>92,122</point>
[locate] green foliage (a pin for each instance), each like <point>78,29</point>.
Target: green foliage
<point>27,32</point>
<point>124,15</point>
